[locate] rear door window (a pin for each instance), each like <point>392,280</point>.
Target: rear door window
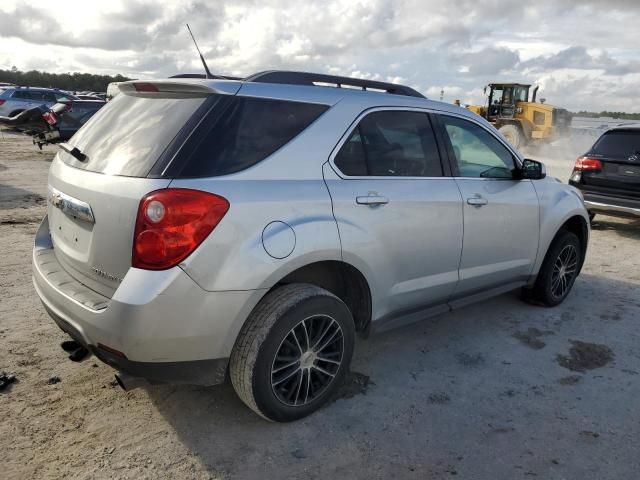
<point>619,144</point>
<point>21,95</point>
<point>244,133</point>
<point>391,143</point>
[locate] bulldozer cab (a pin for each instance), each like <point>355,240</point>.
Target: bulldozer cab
<point>503,99</point>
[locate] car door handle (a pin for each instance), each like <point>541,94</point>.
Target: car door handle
<point>477,201</point>
<point>372,200</point>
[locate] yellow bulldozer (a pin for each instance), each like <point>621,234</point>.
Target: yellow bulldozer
<point>520,118</point>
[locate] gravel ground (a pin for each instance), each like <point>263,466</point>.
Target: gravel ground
<point>498,390</point>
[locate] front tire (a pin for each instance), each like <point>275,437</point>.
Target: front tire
<point>293,353</point>
<point>513,135</point>
<point>559,270</point>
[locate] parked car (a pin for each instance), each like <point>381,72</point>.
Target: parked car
<point>608,175</point>
<point>204,228</point>
<point>52,124</point>
<point>17,99</point>
<point>78,113</point>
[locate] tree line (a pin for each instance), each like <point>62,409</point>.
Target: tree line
<point>64,81</point>
<point>616,115</point>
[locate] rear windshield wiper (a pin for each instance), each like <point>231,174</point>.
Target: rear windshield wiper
<point>73,151</point>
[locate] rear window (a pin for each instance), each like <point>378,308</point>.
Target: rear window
<point>129,134</point>
<point>242,133</point>
<point>133,135</point>
<point>618,144</point>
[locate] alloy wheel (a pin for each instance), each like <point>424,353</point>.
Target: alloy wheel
<point>564,271</point>
<point>307,360</point>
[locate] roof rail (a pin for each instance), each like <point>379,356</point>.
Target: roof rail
<point>306,78</point>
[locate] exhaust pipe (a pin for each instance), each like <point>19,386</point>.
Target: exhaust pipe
<point>129,382</point>
<point>535,94</point>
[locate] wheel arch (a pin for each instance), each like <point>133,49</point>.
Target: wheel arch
<point>575,224</point>
<point>578,226</point>
<point>343,280</point>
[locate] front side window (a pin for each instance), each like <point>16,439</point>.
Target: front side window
<point>391,144</point>
<point>477,153</point>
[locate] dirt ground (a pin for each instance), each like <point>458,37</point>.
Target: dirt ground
<point>498,390</point>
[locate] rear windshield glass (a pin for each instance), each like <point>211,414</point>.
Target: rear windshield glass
<point>244,132</point>
<point>128,135</point>
<point>618,144</point>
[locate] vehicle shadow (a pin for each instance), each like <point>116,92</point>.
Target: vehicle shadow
<point>436,385</point>
<point>626,227</point>
<point>15,197</point>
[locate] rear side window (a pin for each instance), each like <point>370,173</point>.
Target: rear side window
<point>246,132</point>
<point>391,144</point>
<point>128,135</point>
<point>23,95</point>
<point>618,144</point>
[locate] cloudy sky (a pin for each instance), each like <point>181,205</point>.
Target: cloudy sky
<point>583,54</point>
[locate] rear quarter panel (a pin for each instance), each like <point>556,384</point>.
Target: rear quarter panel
<point>233,256</point>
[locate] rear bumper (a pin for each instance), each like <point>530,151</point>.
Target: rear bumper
<point>165,326</point>
<point>195,372</point>
<point>612,205</point>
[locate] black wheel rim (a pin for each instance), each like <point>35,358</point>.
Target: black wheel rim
<point>564,271</point>
<point>307,360</point>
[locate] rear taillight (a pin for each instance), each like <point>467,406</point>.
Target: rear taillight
<point>171,223</point>
<point>2,102</point>
<point>50,118</point>
<point>586,164</point>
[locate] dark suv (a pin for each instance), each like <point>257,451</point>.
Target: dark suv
<point>609,173</point>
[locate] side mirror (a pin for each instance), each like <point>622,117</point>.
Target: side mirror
<point>533,170</point>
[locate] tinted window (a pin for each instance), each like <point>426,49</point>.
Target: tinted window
<point>21,94</point>
<point>37,96</point>
<point>247,131</point>
<point>128,135</point>
<point>476,151</point>
<point>391,143</point>
<point>351,159</point>
<point>618,144</point>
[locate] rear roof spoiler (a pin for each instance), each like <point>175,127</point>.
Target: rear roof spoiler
<point>186,85</point>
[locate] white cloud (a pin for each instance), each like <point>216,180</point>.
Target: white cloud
<point>583,55</point>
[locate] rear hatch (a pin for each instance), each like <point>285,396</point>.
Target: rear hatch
<point>94,193</point>
<point>619,152</point>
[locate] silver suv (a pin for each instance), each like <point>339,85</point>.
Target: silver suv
<point>199,229</point>
<point>14,100</point>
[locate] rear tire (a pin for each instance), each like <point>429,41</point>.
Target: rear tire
<point>558,272</point>
<point>293,352</point>
<point>513,135</point>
